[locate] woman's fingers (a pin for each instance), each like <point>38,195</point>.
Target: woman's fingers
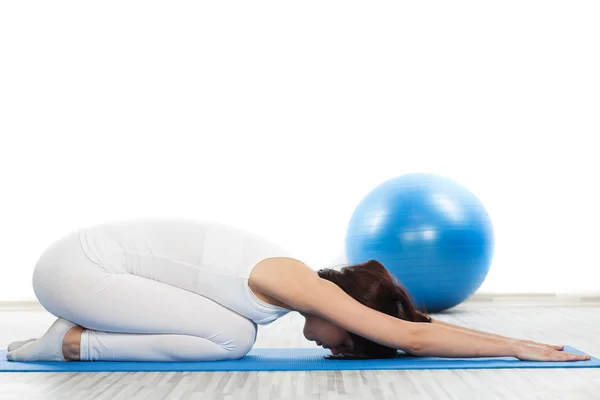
<point>528,352</point>
<point>573,357</point>
<point>553,355</point>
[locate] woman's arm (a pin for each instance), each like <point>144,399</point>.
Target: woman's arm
<point>448,325</point>
<point>462,328</point>
<point>296,285</point>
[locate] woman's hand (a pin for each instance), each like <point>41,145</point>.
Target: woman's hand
<point>551,346</point>
<point>530,352</point>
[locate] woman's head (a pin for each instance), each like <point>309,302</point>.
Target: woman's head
<point>328,335</point>
<point>371,284</point>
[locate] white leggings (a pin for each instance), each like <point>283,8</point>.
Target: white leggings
<point>132,318</point>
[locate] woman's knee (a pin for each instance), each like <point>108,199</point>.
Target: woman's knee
<point>243,336</point>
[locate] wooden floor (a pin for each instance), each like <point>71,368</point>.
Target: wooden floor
<point>578,326</point>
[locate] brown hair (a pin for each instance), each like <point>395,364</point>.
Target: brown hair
<point>371,284</point>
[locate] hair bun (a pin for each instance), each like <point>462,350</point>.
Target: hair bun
<point>324,273</point>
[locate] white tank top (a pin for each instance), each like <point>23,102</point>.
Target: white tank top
<point>206,258</point>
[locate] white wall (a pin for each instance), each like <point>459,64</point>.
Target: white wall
<point>279,117</point>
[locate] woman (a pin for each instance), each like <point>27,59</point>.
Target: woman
<point>181,290</point>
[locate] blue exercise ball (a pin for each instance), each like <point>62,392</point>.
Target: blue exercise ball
<point>430,232</point>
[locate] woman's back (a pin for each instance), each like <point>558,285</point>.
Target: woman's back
<point>207,258</point>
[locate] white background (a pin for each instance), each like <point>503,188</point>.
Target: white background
<point>278,117</point>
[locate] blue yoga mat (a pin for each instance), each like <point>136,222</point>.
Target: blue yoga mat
<point>292,360</point>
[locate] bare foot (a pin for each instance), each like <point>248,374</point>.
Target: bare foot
<point>71,343</point>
